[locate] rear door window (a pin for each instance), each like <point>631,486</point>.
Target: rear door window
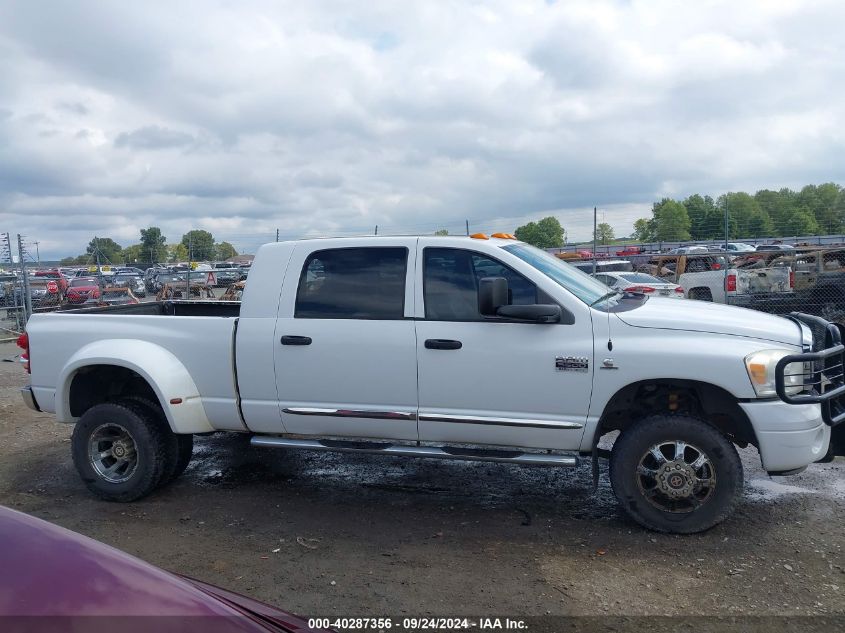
<point>353,283</point>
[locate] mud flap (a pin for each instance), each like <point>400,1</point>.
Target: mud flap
<point>837,440</point>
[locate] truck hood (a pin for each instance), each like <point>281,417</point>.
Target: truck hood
<point>701,316</point>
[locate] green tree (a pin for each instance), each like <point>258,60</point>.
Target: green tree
<point>200,244</point>
<point>839,208</point>
<point>153,245</point>
<point>547,233</point>
<point>133,254</point>
<point>780,206</point>
<point>671,221</point>
<point>109,250</point>
<point>604,233</point>
<point>644,230</point>
<point>820,200</point>
<point>177,253</point>
<point>802,222</point>
<point>746,218</point>
<point>67,261</point>
<point>442,232</point>
<point>224,250</point>
<point>706,222</point>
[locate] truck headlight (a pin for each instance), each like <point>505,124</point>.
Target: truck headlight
<point>761,371</point>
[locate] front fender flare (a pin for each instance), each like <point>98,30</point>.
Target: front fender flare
<point>165,374</point>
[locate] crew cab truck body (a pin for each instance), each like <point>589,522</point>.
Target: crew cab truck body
<point>711,277</point>
<point>440,347</point>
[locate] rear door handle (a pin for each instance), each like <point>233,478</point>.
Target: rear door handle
<point>442,343</point>
<point>296,340</point>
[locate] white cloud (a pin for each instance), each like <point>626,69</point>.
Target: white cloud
<point>332,117</point>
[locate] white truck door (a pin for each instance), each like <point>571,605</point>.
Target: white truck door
<point>345,353</point>
<point>496,382</point>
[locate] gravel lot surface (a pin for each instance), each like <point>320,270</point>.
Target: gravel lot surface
<point>332,534</point>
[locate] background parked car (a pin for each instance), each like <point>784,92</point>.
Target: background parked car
<point>641,282</point>
<point>7,288</point>
<point>604,265</point>
<point>775,247</point>
<point>226,276</point>
<point>685,250</point>
<point>83,289</point>
<point>55,275</point>
<point>43,293</point>
<point>133,281</point>
<point>740,247</point>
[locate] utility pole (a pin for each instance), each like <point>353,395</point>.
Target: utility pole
<point>277,235</point>
<point>37,253</point>
<point>6,249</point>
<point>467,223</point>
<point>726,223</point>
<point>27,299</point>
<point>100,284</point>
<point>190,266</point>
<point>595,237</point>
<point>376,231</point>
<point>11,288</point>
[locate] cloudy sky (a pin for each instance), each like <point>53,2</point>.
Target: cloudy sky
<point>241,117</point>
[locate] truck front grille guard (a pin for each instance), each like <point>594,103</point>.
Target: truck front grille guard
<point>824,373</point>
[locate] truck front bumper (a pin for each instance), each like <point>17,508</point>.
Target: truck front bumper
<point>788,436</point>
<point>29,398</point>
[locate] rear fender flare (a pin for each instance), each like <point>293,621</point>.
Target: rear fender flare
<point>164,372</point>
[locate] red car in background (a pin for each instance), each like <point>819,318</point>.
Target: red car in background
<point>82,289</point>
<point>59,278</point>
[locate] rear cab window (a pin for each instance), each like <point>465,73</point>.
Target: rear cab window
<point>353,283</point>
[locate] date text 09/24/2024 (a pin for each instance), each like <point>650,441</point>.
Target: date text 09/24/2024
<point>418,624</point>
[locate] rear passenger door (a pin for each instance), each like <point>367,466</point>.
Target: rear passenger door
<point>345,354</point>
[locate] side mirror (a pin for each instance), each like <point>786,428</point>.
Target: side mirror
<point>537,313</point>
<point>492,294</point>
<point>493,301</point>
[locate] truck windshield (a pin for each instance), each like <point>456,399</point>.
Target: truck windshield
<point>588,289</point>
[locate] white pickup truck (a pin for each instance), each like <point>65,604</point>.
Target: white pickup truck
<point>444,347</point>
<point>713,277</point>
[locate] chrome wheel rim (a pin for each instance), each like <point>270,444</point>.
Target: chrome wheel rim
<point>112,453</point>
<point>676,477</point>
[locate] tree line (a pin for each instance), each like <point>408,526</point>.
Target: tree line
<point>814,210</point>
<point>196,245</point>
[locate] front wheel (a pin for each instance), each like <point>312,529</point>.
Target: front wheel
<point>675,473</point>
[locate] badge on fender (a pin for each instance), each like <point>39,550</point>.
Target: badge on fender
<point>572,363</point>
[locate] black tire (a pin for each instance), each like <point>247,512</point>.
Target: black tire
<point>149,443</point>
<point>702,507</point>
<point>179,448</point>
<point>701,294</point>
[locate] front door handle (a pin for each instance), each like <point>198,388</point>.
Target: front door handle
<point>296,340</point>
<point>442,343</point>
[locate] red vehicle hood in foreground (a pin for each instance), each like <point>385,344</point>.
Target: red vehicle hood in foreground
<point>55,579</point>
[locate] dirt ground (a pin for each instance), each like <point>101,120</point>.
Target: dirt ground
<point>331,534</point>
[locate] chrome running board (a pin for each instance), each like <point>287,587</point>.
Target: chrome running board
<point>433,452</point>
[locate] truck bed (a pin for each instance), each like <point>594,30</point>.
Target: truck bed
<point>201,340</point>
